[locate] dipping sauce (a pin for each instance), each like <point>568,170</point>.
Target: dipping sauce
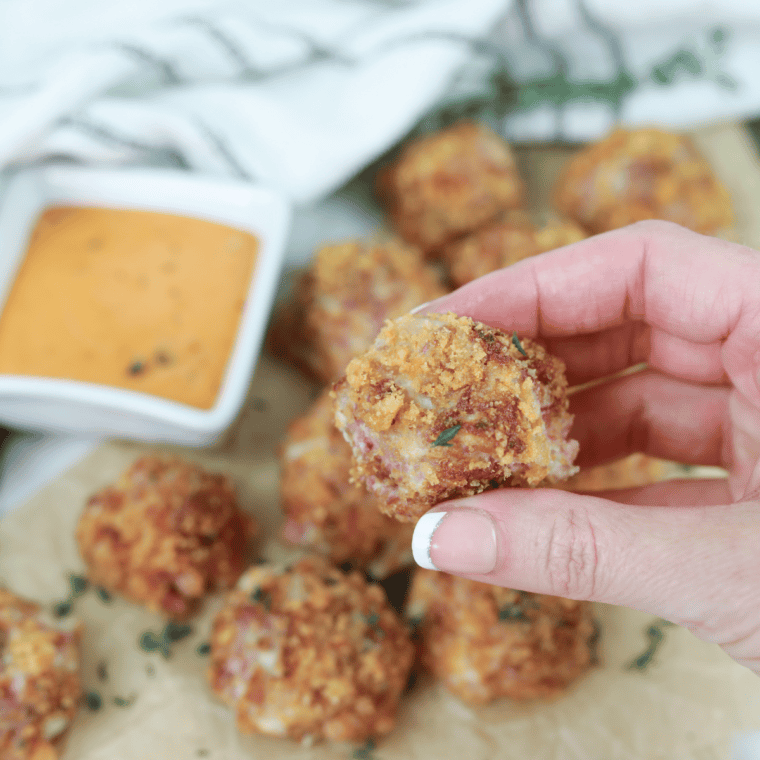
<point>132,299</point>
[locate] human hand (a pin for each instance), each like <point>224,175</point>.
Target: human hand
<point>688,550</point>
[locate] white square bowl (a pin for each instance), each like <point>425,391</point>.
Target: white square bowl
<point>67,406</point>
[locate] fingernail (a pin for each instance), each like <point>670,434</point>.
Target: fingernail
<point>420,307</point>
<point>456,541</point>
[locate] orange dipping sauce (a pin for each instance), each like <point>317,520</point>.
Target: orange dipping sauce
<point>140,300</point>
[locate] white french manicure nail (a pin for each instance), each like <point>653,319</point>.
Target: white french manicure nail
<point>423,534</point>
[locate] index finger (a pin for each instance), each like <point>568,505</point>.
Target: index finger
<point>699,290</point>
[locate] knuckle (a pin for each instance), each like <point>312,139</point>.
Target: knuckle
<point>571,564</point>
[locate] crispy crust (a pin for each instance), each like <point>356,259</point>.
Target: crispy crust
<point>324,510</point>
<point>538,648</point>
<point>642,174</point>
<point>164,535</point>
<point>509,239</point>
<point>39,679</point>
<point>310,653</point>
<point>428,374</point>
<point>445,185</point>
<point>342,301</point>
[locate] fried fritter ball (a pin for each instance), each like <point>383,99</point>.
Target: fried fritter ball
<point>310,653</point>
<point>342,301</point>
<point>327,512</point>
<point>39,679</point>
<point>166,534</point>
<point>442,406</point>
<point>450,183</point>
<point>485,642</point>
<point>503,242</point>
<point>632,471</point>
<point>642,174</point>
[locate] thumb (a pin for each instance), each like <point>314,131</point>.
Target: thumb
<point>693,565</point>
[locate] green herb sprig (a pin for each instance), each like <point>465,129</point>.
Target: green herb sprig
<point>516,343</point>
<point>446,436</point>
<point>656,636</point>
<point>150,641</point>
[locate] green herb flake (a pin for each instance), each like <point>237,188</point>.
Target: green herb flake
<point>512,612</point>
<point>365,751</point>
<point>149,642</point>
<point>93,701</point>
<point>124,701</point>
<point>262,597</point>
<point>103,595</point>
<point>79,584</point>
<point>516,343</point>
<point>62,609</point>
<point>446,436</point>
<point>656,635</point>
<point>176,631</point>
<point>101,671</point>
<point>203,649</point>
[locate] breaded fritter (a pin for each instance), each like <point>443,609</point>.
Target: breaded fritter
<point>166,534</point>
<point>442,406</point>
<point>310,653</point>
<point>642,174</point>
<point>324,510</point>
<point>39,679</point>
<point>342,301</point>
<point>486,642</point>
<point>450,183</point>
<point>509,239</point>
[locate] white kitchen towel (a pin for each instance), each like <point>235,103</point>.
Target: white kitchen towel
<point>301,94</point>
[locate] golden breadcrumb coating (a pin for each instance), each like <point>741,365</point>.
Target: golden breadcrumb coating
<point>324,510</point>
<point>632,471</point>
<point>39,679</point>
<point>166,534</point>
<point>447,184</point>
<point>342,301</point>
<point>509,239</point>
<point>486,642</point>
<point>642,174</point>
<point>310,653</point>
<point>442,406</point>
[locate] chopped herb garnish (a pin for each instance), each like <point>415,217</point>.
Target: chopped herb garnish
<point>447,435</point>
<point>365,751</point>
<point>136,368</point>
<point>516,343</point>
<point>487,337</point>
<point>149,642</point>
<point>655,635</point>
<point>203,649</point>
<point>262,597</point>
<point>62,609</point>
<point>103,595</point>
<point>373,619</point>
<point>79,584</point>
<point>124,701</point>
<point>512,612</point>
<point>101,671</point>
<point>93,700</point>
<point>176,631</point>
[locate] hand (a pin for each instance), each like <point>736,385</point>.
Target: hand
<point>688,550</point>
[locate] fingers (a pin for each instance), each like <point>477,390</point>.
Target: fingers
<point>698,289</point>
<point>653,414</point>
<point>694,565</point>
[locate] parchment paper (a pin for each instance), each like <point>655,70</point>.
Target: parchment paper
<point>688,704</point>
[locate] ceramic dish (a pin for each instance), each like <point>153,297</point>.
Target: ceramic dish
<point>48,404</point>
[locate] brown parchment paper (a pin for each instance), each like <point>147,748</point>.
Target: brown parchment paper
<point>688,704</point>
